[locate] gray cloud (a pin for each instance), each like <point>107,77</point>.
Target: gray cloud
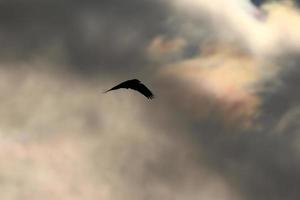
<point>90,36</point>
<point>194,141</point>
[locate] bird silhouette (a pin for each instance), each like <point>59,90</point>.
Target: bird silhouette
<point>134,84</point>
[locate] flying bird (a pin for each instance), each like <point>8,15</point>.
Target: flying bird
<point>134,84</point>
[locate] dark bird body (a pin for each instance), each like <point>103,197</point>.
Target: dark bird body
<point>134,84</point>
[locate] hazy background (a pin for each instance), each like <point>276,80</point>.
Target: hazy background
<point>224,124</point>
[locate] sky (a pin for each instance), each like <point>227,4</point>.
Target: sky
<point>224,123</point>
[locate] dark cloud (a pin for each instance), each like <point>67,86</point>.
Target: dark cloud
<point>260,2</point>
<point>257,2</point>
<point>166,148</point>
<point>91,35</point>
<point>261,164</point>
<point>280,95</point>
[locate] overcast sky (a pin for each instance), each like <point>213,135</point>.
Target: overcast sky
<point>224,124</point>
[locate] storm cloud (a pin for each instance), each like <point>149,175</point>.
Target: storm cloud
<point>89,36</point>
<point>224,123</point>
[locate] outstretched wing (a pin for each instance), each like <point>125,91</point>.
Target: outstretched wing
<point>143,90</point>
<point>126,84</point>
<point>134,84</point>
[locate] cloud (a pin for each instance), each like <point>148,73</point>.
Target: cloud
<point>269,46</point>
<point>68,140</point>
<point>161,48</point>
<point>224,118</point>
<point>91,36</point>
<point>256,68</point>
<point>224,76</point>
